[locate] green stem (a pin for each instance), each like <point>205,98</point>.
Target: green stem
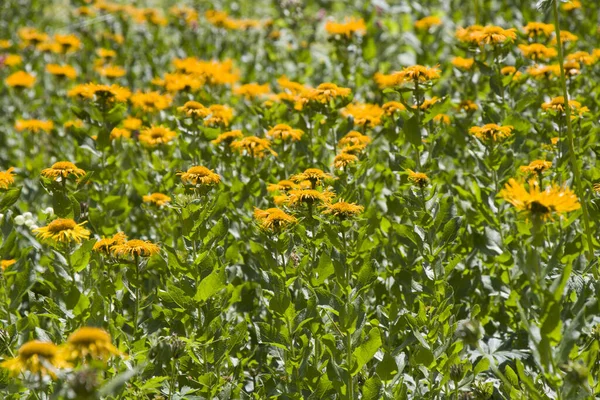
<point>136,310</point>
<point>573,156</point>
<point>349,365</point>
<point>173,370</point>
<point>6,299</point>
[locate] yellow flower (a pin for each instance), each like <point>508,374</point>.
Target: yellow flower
<point>100,93</point>
<point>252,90</point>
<point>253,146</point>
<point>104,245</point>
<point>544,71</point>
<point>442,119</point>
<point>538,29</point>
<point>428,103</point>
<point>6,178</point>
<point>228,137</point>
<point>326,92</point>
<point>218,115</point>
<point>467,106</point>
<point>508,70</point>
<point>538,51</point>
<point>392,107</point>
<point>200,175</point>
<point>62,169</point>
<point>565,36</point>
<point>463,63</point>
<point>428,22</point>
<point>5,44</point>
<point>194,109</point>
<point>353,138</point>
<point>20,79</point>
<point>571,5</point>
<point>364,114</point>
<point>90,342</point>
<point>273,219</point>
<point>178,81</point>
<point>36,357</point>
<point>110,71</point>
<point>106,54</point>
<point>283,131</point>
<point>7,263</point>
<point>343,210</point>
<point>314,175</point>
<point>419,179</point>
<point>156,135</point>
<point>350,26</point>
<point>344,159</point>
<point>540,204</point>
<point>582,56</point>
<point>75,124</point>
<point>211,72</point>
<point>131,123</point>
<point>68,43</point>
<point>416,74</point>
<point>13,60</point>
<point>117,133</point>
<point>32,36</point>
<point>158,199</point>
<point>482,35</point>
<point>491,132</point>
<point>309,196</point>
<point>536,166</point>
<point>557,105</point>
<point>135,247</point>
<point>34,125</point>
<point>151,101</point>
<point>63,230</point>
<point>62,71</point>
<point>282,186</point>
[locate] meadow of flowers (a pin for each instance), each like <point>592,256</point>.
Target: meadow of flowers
<point>299,199</point>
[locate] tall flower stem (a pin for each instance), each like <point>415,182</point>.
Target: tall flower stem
<point>573,156</point>
<point>136,310</point>
<point>6,299</point>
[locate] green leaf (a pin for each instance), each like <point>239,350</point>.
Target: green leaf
<point>81,257</point>
<point>323,270</point>
<point>365,352</point>
<point>211,285</point>
<point>113,386</point>
<point>511,376</point>
<point>9,198</point>
<point>372,388</point>
<point>482,366</point>
<point>412,130</point>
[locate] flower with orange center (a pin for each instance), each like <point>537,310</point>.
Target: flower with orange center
<point>392,107</point>
<point>353,138</point>
<point>424,24</point>
<point>538,51</point>
<point>135,248</point>
<point>540,204</point>
<point>228,137</point>
<point>491,132</point>
<point>158,199</point>
<point>538,29</point>
<point>467,106</point>
<point>63,230</point>
<point>482,35</point>
<point>315,176</point>
<point>565,36</point>
<point>536,167</point>
<point>100,93</point>
<point>151,101</point>
<point>62,71</point>
<point>4,264</point>
<point>463,63</point>
<point>110,71</point>
<point>105,245</point>
<point>252,90</point>
<point>106,54</point>
<point>199,175</point>
<point>428,103</point>
<point>557,105</point>
<point>218,115</point>
<point>20,80</point>
<point>34,125</point>
<point>36,357</point>
<point>68,43</point>
<point>343,210</point>
<point>282,186</point>
<point>284,132</point>
<point>419,179</point>
<point>344,159</point>
<point>582,56</point>
<point>62,169</point>
<point>89,342</point>
<point>274,219</point>
<point>298,197</point>
<point>348,28</point>
<point>156,135</point>
<point>194,109</point>
<point>417,74</point>
<point>32,36</point>
<point>326,92</point>
<point>253,146</point>
<point>73,124</point>
<point>442,119</point>
<point>6,178</point>
<point>364,114</point>
<point>571,5</point>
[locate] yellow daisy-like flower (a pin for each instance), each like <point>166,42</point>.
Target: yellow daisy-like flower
<point>194,109</point>
<point>64,230</point>
<point>228,137</point>
<point>13,60</point>
<point>442,119</point>
<point>110,71</point>
<point>131,123</point>
<point>343,210</point>
<point>557,104</point>
<point>482,35</point>
<point>350,26</point>
<point>34,125</point>
<point>308,196</point>
<point>416,74</point>
<point>508,70</point>
<point>105,245</point>
<point>538,51</point>
<point>100,93</point>
<point>151,101</point>
<point>353,138</point>
<point>392,107</point>
<point>284,132</point>
<point>565,36</point>
<point>7,178</point>
<point>463,63</point>
<point>253,146</point>
<point>467,106</point>
<point>428,22</point>
<point>282,186</point>
<point>540,204</point>
<point>571,5</point>
<point>544,71</point>
<point>89,342</point>
<point>538,29</point>
<point>218,115</point>
<point>32,36</point>
<point>491,132</point>
<point>582,57</point>
<point>135,247</point>
<point>4,264</point>
<point>364,114</point>
<point>199,175</point>
<point>73,124</point>
<point>325,92</point>
<point>314,175</point>
<point>428,103</point>
<point>20,79</point>
<point>36,357</point>
<point>274,219</point>
<point>252,90</point>
<point>158,199</point>
<point>419,179</point>
<point>156,135</point>
<point>106,54</point>
<point>62,169</point>
<point>537,166</point>
<point>117,133</point>
<point>68,43</point>
<point>62,71</point>
<point>344,159</point>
